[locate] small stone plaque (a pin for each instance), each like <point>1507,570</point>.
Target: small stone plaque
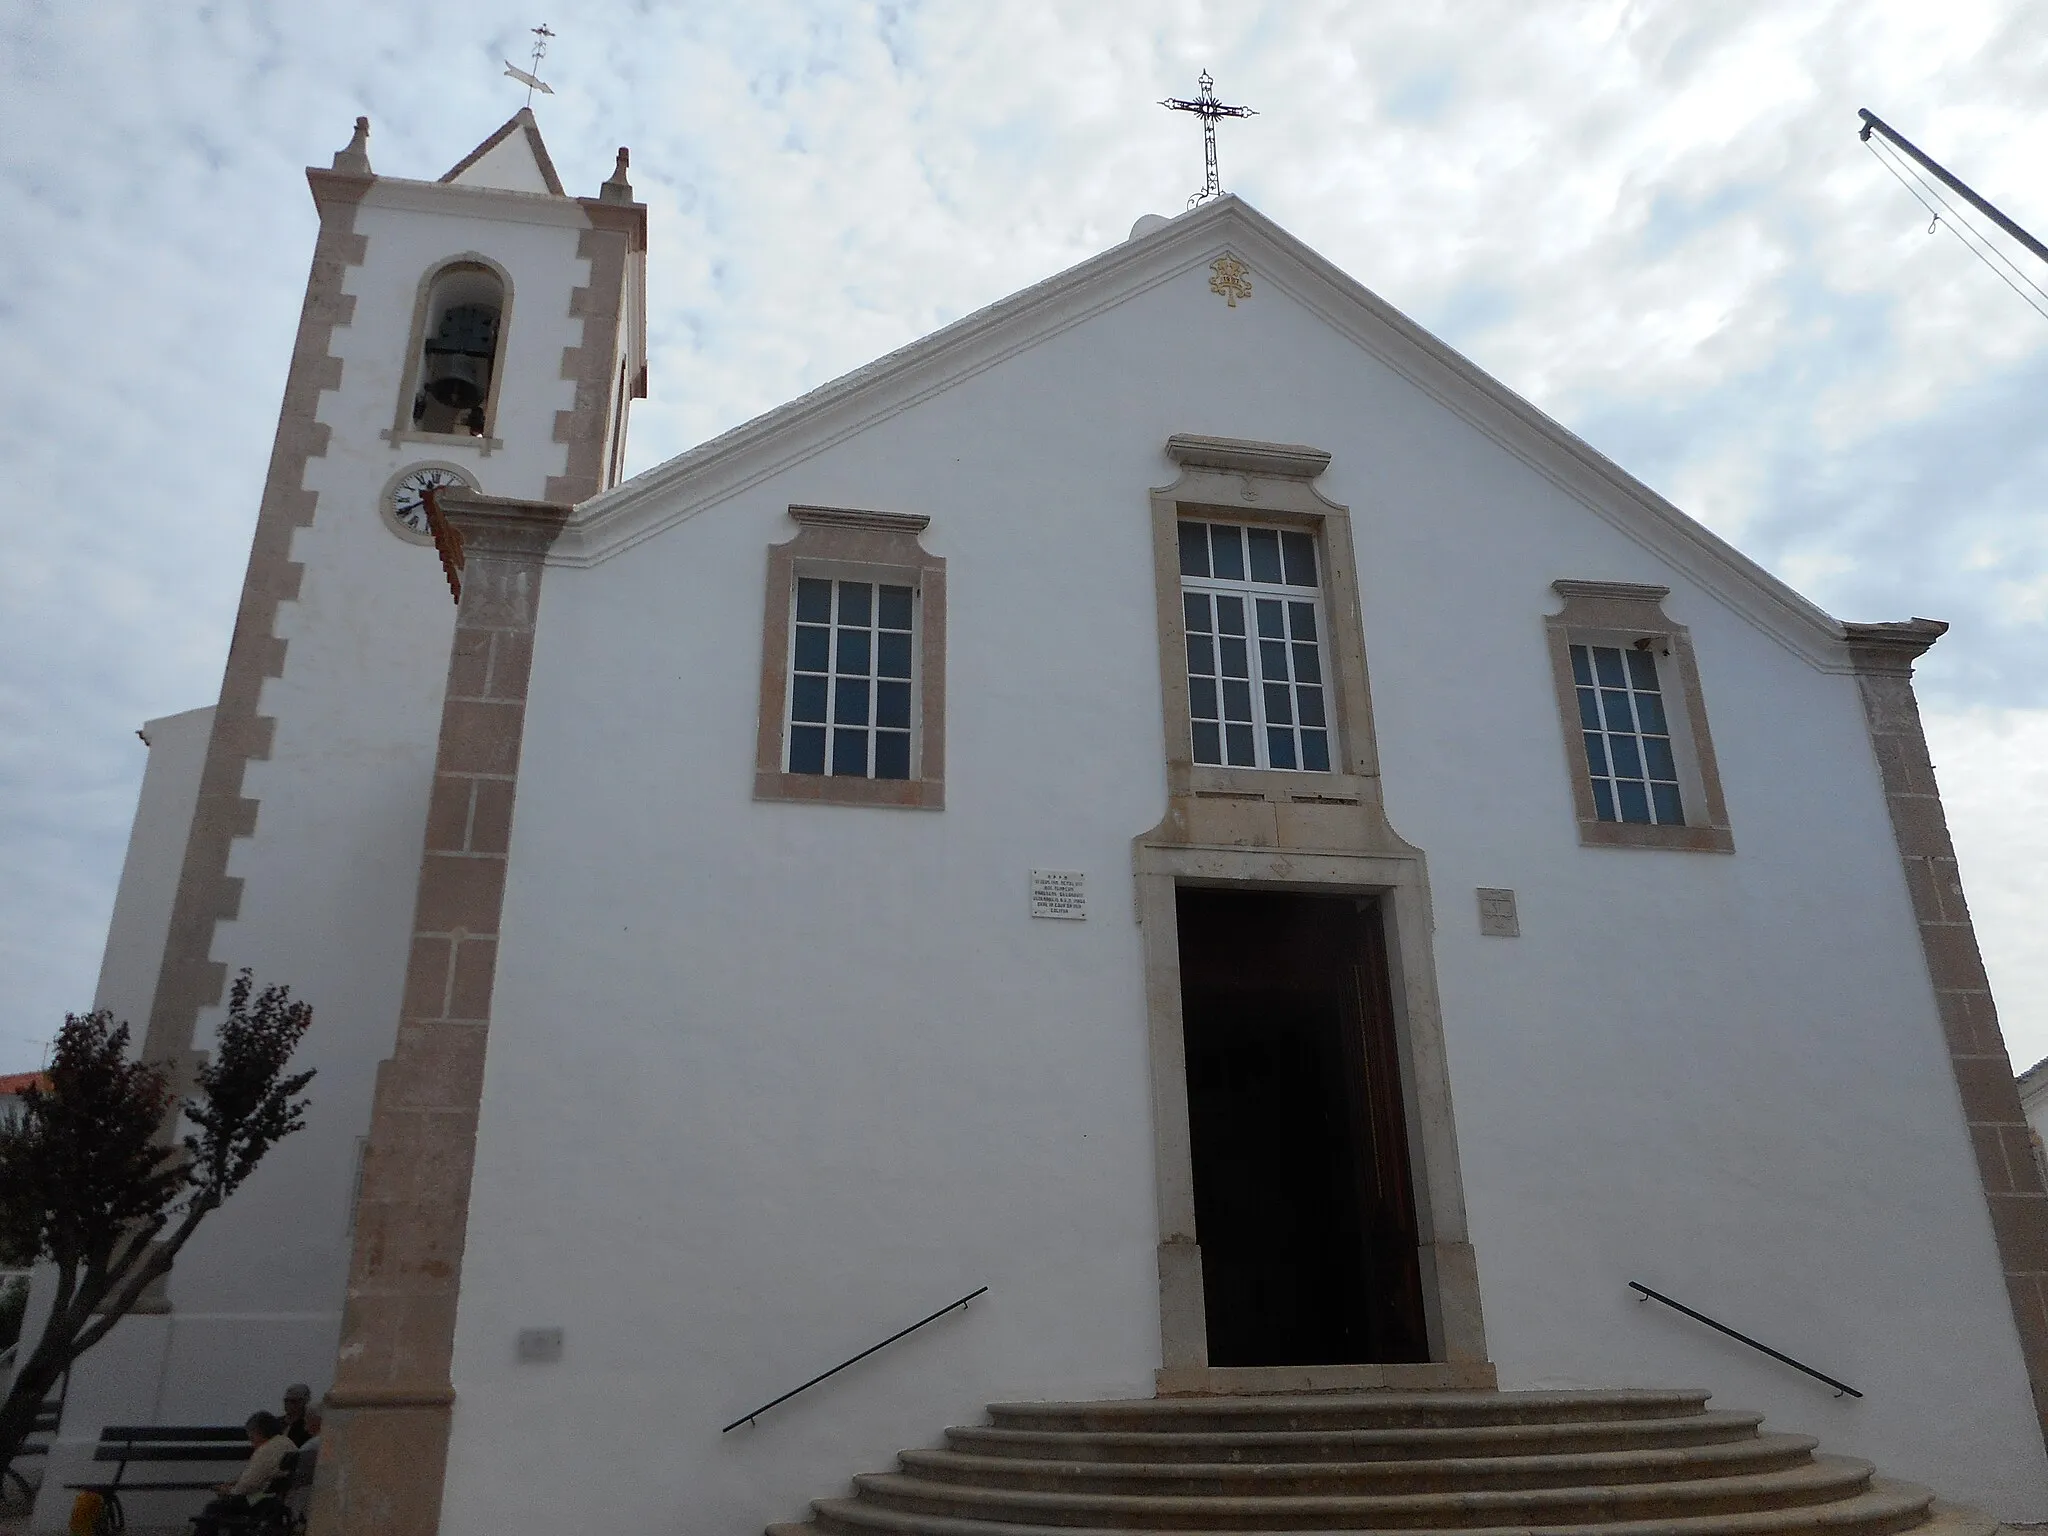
<point>540,1346</point>
<point>1059,893</point>
<point>1497,919</point>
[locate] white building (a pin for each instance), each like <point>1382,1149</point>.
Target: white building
<point>1095,804</point>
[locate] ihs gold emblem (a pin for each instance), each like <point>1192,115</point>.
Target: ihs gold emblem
<point>1232,279</point>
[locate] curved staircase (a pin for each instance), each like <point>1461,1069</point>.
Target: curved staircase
<point>1623,1463</point>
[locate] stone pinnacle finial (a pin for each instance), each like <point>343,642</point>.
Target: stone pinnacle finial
<point>356,158</point>
<point>618,189</point>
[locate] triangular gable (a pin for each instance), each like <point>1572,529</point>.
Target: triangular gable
<point>723,467</point>
<point>513,159</point>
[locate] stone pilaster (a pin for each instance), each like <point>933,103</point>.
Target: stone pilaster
<point>386,1436</point>
<point>1883,655</point>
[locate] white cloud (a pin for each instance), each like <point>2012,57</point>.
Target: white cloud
<point>1650,216</point>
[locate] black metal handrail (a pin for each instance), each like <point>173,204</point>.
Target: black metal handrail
<point>748,1418</point>
<point>1776,1354</point>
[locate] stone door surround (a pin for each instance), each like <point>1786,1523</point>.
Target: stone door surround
<point>1314,833</point>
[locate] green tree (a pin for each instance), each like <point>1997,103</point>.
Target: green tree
<point>90,1183</point>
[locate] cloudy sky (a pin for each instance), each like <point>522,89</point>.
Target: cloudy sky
<point>1653,219</point>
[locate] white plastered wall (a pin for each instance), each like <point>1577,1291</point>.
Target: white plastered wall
<point>768,1081</point>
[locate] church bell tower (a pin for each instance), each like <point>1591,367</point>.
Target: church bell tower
<point>485,330</point>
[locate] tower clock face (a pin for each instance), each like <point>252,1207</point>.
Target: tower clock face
<point>405,503</point>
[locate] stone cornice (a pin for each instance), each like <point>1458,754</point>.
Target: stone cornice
<point>1624,591</point>
<point>854,517</point>
<point>1239,456</point>
<point>1892,647</point>
<point>496,523</point>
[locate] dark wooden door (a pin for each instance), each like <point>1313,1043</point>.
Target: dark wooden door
<point>1303,1201</point>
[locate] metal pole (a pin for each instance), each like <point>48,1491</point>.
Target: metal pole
<point>1872,120</point>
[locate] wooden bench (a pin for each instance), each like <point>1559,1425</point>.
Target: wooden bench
<point>162,1445</point>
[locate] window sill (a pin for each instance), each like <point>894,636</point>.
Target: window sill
<point>484,445</point>
<point>1635,834</point>
<point>826,789</point>
<point>1276,784</point>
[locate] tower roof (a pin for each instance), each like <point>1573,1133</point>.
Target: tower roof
<point>513,159</point>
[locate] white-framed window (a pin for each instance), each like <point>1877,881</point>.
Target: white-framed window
<point>1257,689</point>
<point>852,665</point>
<point>1627,735</point>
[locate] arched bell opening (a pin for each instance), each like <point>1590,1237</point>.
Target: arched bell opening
<point>458,359</point>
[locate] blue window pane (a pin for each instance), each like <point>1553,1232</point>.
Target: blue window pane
<point>1279,709</point>
<point>1635,805</point>
<point>807,749</point>
<point>1265,545</point>
<point>892,754</point>
<point>1208,743</point>
<point>1279,747</point>
<point>1237,700</point>
<point>1315,751</point>
<point>1607,662</point>
<point>1273,659</point>
<point>850,753</point>
<point>1272,622</point>
<point>1582,669</point>
<point>1233,657</point>
<point>892,706</point>
<point>1226,543</point>
<point>1657,758</point>
<point>1239,739</point>
<point>853,652</point>
<point>1298,550</point>
<point>1642,670</point>
<point>1627,765</point>
<point>892,654</point>
<point>1194,607</point>
<point>813,648</point>
<point>1303,617</point>
<point>813,601</point>
<point>1201,654</point>
<point>807,699</point>
<point>893,608</point>
<point>1230,615</point>
<point>1308,666</point>
<point>1650,710</point>
<point>850,701</point>
<point>1617,710</point>
<point>1311,701</point>
<point>1589,710</point>
<point>1603,801</point>
<point>1194,549</point>
<point>1202,698</point>
<point>1665,797</point>
<point>855,602</point>
<point>1596,756</point>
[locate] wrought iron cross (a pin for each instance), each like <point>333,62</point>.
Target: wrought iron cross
<point>1208,108</point>
<point>530,78</point>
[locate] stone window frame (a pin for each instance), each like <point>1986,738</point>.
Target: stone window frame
<point>1621,613</point>
<point>1265,484</point>
<point>402,429</point>
<point>847,542</point>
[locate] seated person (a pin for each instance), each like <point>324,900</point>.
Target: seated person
<point>266,1465</point>
<point>298,1496</point>
<point>297,1397</point>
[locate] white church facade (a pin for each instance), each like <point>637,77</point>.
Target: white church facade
<point>1176,800</point>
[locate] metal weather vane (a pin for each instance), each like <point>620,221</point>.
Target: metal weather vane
<point>1208,108</point>
<point>530,78</point>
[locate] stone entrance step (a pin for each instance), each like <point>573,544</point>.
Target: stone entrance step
<point>1622,1463</point>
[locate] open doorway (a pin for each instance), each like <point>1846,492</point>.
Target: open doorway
<point>1304,1206</point>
